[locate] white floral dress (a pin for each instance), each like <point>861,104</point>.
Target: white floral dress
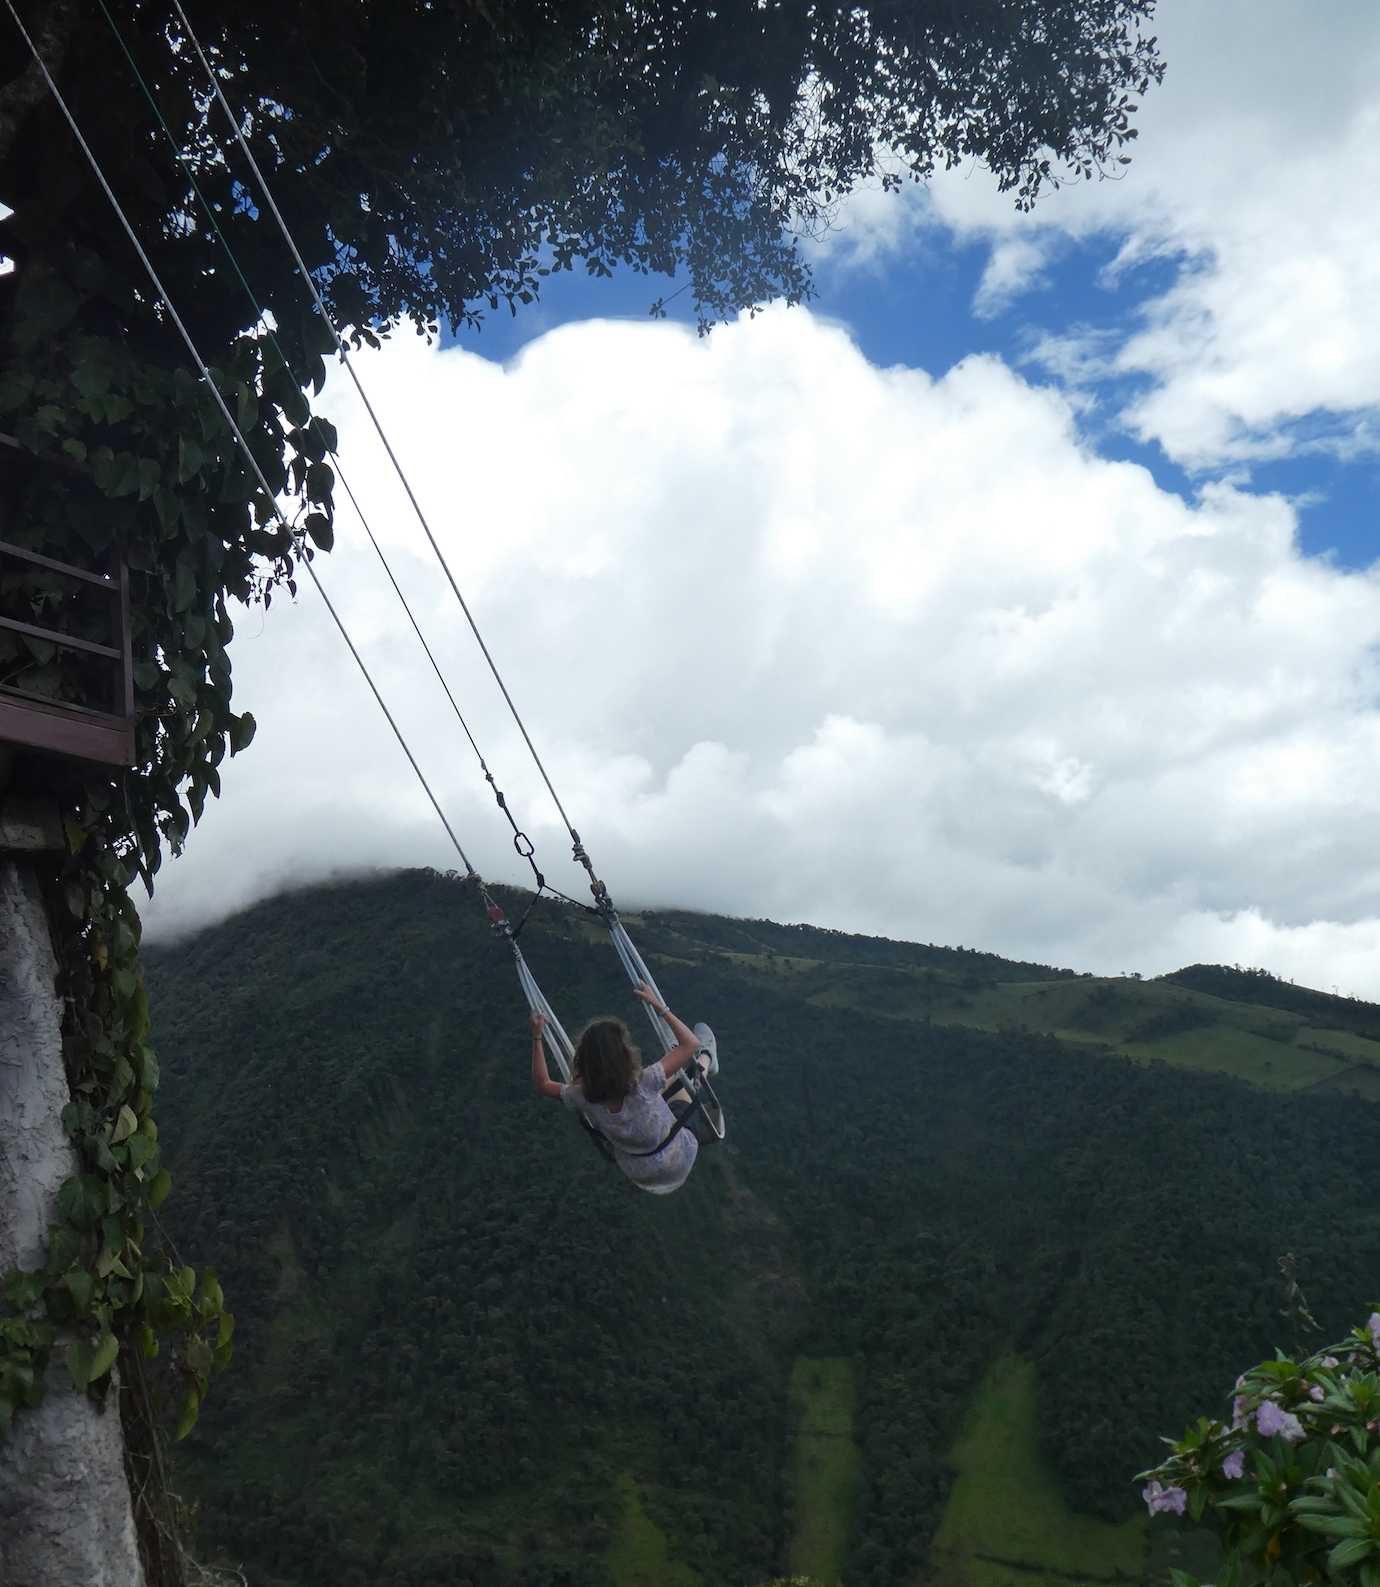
<point>641,1124</point>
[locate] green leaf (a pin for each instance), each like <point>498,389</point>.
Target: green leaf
<point>16,388</point>
<point>125,1123</point>
<point>159,1186</point>
<point>146,1067</point>
<point>168,505</point>
<point>184,586</point>
<point>87,1363</point>
<point>1352,1552</point>
<point>241,731</point>
<point>1245,1502</point>
<point>212,1298</point>
<point>64,1247</point>
<point>81,1286</point>
<point>141,1149</point>
<point>103,1358</point>
<point>126,480</point>
<point>320,482</point>
<point>198,1357</point>
<point>319,527</point>
<point>183,692</point>
<point>190,458</point>
<point>246,405</point>
<point>23,1291</point>
<point>1332,1525</point>
<point>191,1406</point>
<point>91,377</point>
<point>83,1200</point>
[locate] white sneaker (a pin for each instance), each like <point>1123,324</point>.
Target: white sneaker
<point>708,1044</point>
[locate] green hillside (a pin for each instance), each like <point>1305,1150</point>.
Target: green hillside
<point>469,1353</point>
<point>1006,1518</point>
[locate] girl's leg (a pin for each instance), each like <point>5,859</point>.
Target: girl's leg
<point>710,1046</point>
<point>679,1096</point>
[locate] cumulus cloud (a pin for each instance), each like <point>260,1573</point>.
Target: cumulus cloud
<point>806,638</point>
<point>1255,177</point>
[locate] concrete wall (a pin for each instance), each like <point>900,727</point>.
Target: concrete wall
<point>65,1516</point>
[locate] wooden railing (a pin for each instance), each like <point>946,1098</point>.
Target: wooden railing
<point>38,721</point>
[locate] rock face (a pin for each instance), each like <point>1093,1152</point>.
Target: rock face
<point>65,1516</point>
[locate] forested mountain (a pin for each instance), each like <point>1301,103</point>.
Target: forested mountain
<point>469,1352</point>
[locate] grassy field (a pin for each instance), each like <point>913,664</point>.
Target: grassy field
<point>1144,1020</point>
<point>824,1466</point>
<point>1006,1524</point>
<point>1363,1081</point>
<point>638,1555</point>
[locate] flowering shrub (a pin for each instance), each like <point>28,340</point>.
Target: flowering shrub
<point>1292,1482</point>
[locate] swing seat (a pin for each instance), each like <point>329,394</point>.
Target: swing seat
<point>702,1113</point>
<point>697,1108</point>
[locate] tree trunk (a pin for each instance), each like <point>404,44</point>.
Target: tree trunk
<point>65,1514</point>
<point>51,31</point>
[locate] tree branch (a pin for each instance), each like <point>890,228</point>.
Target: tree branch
<point>52,33</point>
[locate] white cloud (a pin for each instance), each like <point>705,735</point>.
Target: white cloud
<point>1256,176</point>
<point>805,638</point>
<point>1015,266</point>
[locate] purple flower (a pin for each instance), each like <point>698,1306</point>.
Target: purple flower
<point>1234,1466</point>
<point>1329,1362</point>
<point>1315,1392</point>
<point>1157,1497</point>
<point>1239,1412</point>
<point>1373,1323</point>
<point>1271,1421</point>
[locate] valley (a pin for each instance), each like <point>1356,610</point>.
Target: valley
<point>979,1233</point>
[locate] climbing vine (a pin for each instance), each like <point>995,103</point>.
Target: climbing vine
<point>101,1285</point>
<point>125,456</point>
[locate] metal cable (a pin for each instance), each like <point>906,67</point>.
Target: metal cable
<point>387,445</point>
<point>261,318</point>
<point>229,418</point>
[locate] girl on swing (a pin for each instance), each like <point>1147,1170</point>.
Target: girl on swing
<point>626,1103</point>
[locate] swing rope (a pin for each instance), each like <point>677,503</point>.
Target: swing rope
<point>304,554</point>
<point>521,843</point>
<point>556,1038</point>
<point>578,850</point>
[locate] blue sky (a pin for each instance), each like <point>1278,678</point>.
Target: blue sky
<point>856,613</point>
<point>917,308</point>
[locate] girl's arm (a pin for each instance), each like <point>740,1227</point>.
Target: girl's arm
<point>542,1082</point>
<point>687,1042</point>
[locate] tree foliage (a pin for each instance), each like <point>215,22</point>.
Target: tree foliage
<point>453,1313</point>
<point>434,160</point>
